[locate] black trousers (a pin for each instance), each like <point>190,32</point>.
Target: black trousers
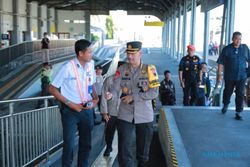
<point>110,131</point>
<point>239,91</point>
<point>143,134</point>
<point>190,89</point>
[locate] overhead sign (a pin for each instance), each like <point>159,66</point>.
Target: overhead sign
<point>153,23</point>
<point>207,5</point>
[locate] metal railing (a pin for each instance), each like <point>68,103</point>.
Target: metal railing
<point>23,54</point>
<point>28,135</point>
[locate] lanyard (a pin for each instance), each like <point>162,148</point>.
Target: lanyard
<point>79,84</point>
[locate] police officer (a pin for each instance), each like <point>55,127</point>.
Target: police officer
<point>232,61</point>
<point>78,96</point>
<point>109,111</point>
<point>167,90</point>
<point>190,75</point>
<point>138,84</point>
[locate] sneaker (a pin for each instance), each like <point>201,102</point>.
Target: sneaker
<point>107,152</point>
<point>224,109</point>
<point>238,117</point>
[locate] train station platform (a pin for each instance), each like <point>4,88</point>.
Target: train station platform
<point>188,136</point>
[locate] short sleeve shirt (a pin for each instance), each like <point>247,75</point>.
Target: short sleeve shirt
<point>234,61</point>
<point>66,80</point>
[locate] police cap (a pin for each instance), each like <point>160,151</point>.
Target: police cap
<point>133,47</point>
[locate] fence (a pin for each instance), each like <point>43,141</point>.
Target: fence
<point>28,135</point>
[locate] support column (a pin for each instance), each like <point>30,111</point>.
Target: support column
<point>231,15</point>
<point>39,22</point>
<point>206,35</point>
<point>171,37</point>
<point>29,28</point>
<point>56,21</point>
<point>163,38</point>
<point>184,28</point>
<point>87,25</point>
<point>16,35</point>
<point>179,34</point>
<point>1,22</point>
<point>193,22</point>
<point>167,36</point>
<point>174,35</point>
<point>227,37</point>
<point>48,22</point>
<point>222,42</point>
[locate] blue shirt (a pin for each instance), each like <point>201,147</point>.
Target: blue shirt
<point>234,61</point>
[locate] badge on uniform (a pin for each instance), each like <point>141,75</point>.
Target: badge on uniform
<point>117,74</point>
<point>90,90</point>
<point>195,60</point>
<point>125,90</point>
<point>126,73</point>
<point>153,77</point>
<point>144,86</point>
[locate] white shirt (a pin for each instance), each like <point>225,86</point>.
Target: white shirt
<point>66,80</point>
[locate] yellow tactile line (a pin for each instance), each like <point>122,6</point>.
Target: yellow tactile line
<point>171,145</point>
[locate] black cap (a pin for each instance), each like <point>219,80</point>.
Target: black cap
<point>81,44</point>
<point>133,47</point>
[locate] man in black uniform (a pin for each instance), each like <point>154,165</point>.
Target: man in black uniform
<point>232,61</point>
<point>167,90</point>
<point>190,75</point>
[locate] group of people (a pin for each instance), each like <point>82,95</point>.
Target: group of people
<point>194,79</point>
<point>126,104</point>
<point>213,48</point>
<point>126,97</point>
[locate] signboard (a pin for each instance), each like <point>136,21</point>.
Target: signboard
<point>154,23</point>
<point>207,5</point>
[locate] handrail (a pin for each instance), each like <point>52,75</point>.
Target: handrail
<point>28,135</point>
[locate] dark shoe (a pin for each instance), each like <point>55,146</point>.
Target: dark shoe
<point>224,109</point>
<point>238,117</point>
<point>107,152</point>
<point>97,122</point>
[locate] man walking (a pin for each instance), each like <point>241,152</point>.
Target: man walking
<point>232,61</point>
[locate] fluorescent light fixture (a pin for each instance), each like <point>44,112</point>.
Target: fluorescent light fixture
<point>78,21</point>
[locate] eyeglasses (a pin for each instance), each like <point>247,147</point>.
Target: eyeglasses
<point>236,51</point>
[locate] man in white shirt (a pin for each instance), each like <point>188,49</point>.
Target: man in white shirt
<point>78,96</point>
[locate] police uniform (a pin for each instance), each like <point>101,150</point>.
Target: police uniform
<point>110,107</point>
<point>142,83</point>
<point>190,66</point>
<point>71,120</point>
<point>167,92</point>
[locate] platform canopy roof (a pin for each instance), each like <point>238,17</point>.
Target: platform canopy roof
<point>158,8</point>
